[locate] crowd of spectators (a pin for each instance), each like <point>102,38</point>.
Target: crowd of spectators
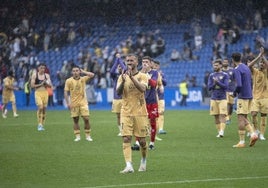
<point>28,27</point>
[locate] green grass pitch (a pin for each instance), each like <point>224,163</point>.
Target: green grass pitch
<point>189,155</point>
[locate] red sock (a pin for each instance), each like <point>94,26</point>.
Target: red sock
<point>153,129</point>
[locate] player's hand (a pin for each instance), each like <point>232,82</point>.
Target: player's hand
<point>69,106</point>
<point>118,55</point>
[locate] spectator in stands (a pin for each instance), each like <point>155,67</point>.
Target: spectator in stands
<point>187,53</point>
<point>249,26</point>
<point>246,50</point>
<point>259,42</point>
<point>46,41</point>
<point>161,45</point>
<point>205,91</point>
<point>197,35</point>
<point>50,96</point>
<point>187,39</point>
<point>257,20</point>
<point>71,35</point>
<point>193,81</point>
<point>27,91</point>
<point>183,88</point>
<point>234,34</point>
<point>175,55</point>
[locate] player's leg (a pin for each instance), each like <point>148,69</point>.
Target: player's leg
<point>76,128</point>
<point>223,110</point>
<point>263,126</point>
<point>84,112</point>
<point>13,104</point>
<point>127,131</point>
<point>141,131</point>
<point>4,110</point>
<point>254,117</point>
<point>87,128</point>
<point>118,124</point>
<point>160,119</point>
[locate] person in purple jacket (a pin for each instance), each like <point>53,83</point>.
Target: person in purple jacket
<point>117,69</point>
<point>218,84</point>
<point>244,98</point>
<point>230,90</point>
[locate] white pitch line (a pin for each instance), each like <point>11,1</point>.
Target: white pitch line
<point>180,182</point>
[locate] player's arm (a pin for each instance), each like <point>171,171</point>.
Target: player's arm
<point>87,73</point>
<point>153,81</point>
<point>9,86</point>
<point>224,83</point>
<point>48,82</point>
<point>120,84</point>
<point>33,84</point>
<point>254,61</point>
<point>238,81</point>
<point>66,95</point>
<point>265,61</point>
<point>211,83</point>
<point>160,83</point>
<point>121,63</point>
<point>164,80</point>
<point>113,69</point>
<point>139,85</point>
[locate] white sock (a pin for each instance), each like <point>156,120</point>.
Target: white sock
<point>242,142</point>
<point>129,164</point>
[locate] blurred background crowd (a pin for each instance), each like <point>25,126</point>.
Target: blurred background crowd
<point>185,36</point>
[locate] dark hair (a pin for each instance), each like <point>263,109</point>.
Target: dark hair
<point>42,64</point>
<point>147,57</point>
<point>217,61</point>
<point>10,73</point>
<point>156,62</point>
<point>236,57</point>
<point>75,66</point>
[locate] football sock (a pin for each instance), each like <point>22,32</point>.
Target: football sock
<point>87,132</point>
<point>255,123</point>
<point>77,133</point>
<point>160,122</point>
<point>249,128</point>
<point>119,128</point>
<point>14,108</point>
<point>43,118</point>
<point>227,118</point>
<point>129,164</point>
<point>218,127</point>
<point>127,152</point>
<point>144,151</point>
<point>39,117</point>
<point>153,129</point>
<point>241,134</point>
<point>263,125</point>
<point>222,126</point>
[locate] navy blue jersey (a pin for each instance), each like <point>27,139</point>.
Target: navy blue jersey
<point>150,94</point>
<point>232,84</point>
<point>218,89</point>
<point>243,81</point>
